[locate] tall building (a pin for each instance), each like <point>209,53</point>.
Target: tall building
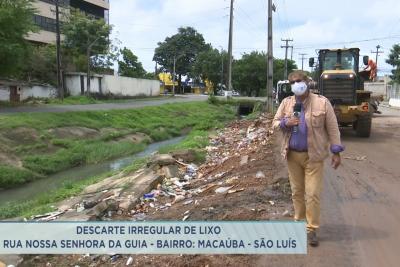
<point>46,16</point>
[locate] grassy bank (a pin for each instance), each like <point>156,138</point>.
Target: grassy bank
<point>78,100</point>
<point>45,143</point>
<point>44,203</point>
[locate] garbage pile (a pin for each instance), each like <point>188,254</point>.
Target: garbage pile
<point>234,154</point>
<point>230,150</point>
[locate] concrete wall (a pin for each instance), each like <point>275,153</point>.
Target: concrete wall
<point>4,93</point>
<point>377,88</point>
<point>393,102</point>
<point>72,83</point>
<point>42,91</point>
<point>27,91</point>
<point>109,84</point>
<point>126,86</point>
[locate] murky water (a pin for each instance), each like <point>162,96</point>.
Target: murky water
<point>30,190</point>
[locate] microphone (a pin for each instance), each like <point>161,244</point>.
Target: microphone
<point>296,113</point>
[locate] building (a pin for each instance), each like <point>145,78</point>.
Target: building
<point>46,17</point>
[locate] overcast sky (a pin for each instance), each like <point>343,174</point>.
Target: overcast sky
<point>312,24</point>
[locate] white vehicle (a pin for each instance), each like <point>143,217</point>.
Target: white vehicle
<point>228,93</point>
<point>283,90</point>
<point>235,93</point>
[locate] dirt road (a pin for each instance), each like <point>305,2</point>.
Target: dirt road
<point>360,203</point>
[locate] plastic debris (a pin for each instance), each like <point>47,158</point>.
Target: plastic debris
<point>129,261</point>
<point>149,195</point>
<point>222,190</point>
<point>260,175</point>
<point>286,213</point>
<point>188,202</point>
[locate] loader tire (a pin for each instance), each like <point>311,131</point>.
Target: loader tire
<point>363,126</point>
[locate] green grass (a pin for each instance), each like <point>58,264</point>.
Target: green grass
<point>80,153</point>
<point>45,202</point>
<point>87,100</point>
<point>159,122</point>
<point>197,139</point>
<point>78,100</point>
<point>12,176</point>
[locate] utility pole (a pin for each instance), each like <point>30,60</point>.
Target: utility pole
<point>302,60</point>
<point>88,51</point>
<point>286,46</point>
<point>58,47</point>
<point>222,68</point>
<point>173,77</point>
<point>174,72</point>
<point>270,60</point>
<point>377,52</point>
<point>230,47</point>
<point>291,52</point>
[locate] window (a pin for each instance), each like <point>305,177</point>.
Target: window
<point>44,23</point>
<point>61,2</point>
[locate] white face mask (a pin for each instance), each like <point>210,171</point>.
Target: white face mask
<point>299,88</point>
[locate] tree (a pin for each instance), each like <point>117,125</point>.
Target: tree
<point>184,47</point>
<point>41,65</point>
<point>86,34</point>
<point>394,60</point>
<point>130,66</point>
<point>279,69</point>
<point>208,66</point>
<point>249,73</point>
<point>15,23</point>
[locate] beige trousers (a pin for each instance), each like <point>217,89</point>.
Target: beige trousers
<point>306,183</point>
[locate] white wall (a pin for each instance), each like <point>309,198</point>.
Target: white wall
<point>38,91</point>
<point>73,83</point>
<point>4,93</point>
<point>126,86</point>
<point>116,85</point>
<point>27,91</point>
<point>393,102</point>
<point>377,88</point>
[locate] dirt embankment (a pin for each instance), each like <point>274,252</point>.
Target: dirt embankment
<point>240,180</point>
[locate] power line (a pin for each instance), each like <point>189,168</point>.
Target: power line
<point>347,42</point>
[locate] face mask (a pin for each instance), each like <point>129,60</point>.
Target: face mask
<point>299,88</point>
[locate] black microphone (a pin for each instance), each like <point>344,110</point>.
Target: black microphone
<point>296,113</point>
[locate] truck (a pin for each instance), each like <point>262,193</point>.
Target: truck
<point>283,90</point>
<point>338,78</point>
